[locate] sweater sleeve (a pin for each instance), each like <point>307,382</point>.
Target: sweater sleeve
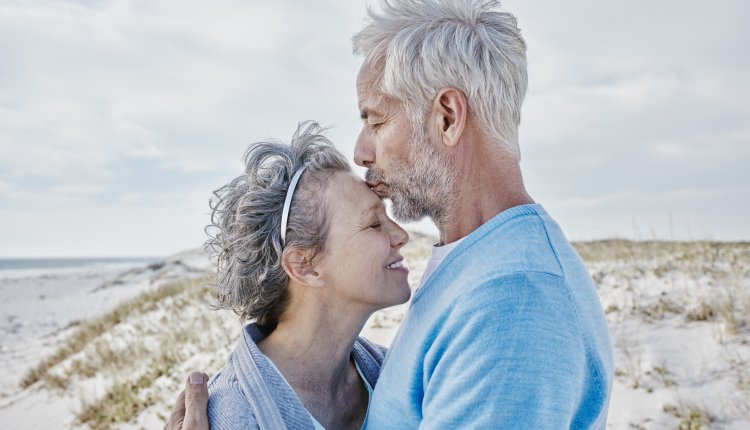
<point>509,355</point>
<point>228,408</point>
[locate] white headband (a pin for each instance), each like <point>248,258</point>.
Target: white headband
<point>288,202</point>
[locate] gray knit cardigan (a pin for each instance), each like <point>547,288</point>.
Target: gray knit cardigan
<point>248,392</point>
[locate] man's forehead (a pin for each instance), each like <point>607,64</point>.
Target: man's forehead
<point>368,100</point>
<point>369,97</point>
<point>368,82</point>
<point>365,86</point>
<point>365,75</point>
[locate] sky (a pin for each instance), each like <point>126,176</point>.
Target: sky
<point>119,118</point>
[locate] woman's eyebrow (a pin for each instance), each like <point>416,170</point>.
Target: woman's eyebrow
<point>372,208</point>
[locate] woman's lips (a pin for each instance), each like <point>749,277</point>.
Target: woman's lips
<point>398,265</point>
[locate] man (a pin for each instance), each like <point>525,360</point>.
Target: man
<point>505,330</point>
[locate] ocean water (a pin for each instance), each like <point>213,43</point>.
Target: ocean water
<point>21,268</point>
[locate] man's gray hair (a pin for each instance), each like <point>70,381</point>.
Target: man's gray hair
<point>421,46</point>
<point>245,236</point>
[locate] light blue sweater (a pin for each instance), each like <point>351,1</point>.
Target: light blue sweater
<point>508,332</point>
<point>249,393</point>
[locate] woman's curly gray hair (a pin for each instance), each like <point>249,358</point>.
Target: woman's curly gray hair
<point>245,229</point>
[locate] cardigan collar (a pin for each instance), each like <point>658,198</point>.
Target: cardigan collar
<point>271,399</point>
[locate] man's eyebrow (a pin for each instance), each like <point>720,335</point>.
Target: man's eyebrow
<point>366,112</point>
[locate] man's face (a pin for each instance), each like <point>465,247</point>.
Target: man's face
<point>402,163</point>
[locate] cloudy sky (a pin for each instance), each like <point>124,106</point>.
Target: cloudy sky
<point>118,118</point>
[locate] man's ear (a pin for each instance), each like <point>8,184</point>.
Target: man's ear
<point>299,265</point>
<point>450,108</point>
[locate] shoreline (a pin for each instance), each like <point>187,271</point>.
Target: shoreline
<point>41,312</point>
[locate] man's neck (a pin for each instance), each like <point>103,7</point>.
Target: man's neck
<point>489,183</point>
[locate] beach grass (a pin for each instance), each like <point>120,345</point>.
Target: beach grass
<point>145,355</point>
<point>679,314</point>
<point>88,331</point>
<point>123,400</point>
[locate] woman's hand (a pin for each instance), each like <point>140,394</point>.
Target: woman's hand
<point>190,411</point>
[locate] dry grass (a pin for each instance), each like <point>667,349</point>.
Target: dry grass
<point>695,420</point>
<point>124,400</point>
<point>713,277</point>
<point>630,369</point>
<point>646,287</point>
<point>691,417</point>
<point>628,250</point>
<point>140,357</point>
<point>143,348</point>
<point>88,331</point>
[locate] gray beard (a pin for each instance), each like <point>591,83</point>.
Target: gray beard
<point>421,186</point>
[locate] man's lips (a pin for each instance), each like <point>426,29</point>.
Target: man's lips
<point>378,188</point>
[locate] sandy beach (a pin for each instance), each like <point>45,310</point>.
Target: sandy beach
<point>110,349</point>
<point>41,310</point>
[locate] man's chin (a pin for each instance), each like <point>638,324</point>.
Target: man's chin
<point>403,212</point>
<point>381,192</point>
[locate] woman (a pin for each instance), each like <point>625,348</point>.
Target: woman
<point>306,250</point>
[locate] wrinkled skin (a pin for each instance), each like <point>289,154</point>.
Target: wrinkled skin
<point>189,413</point>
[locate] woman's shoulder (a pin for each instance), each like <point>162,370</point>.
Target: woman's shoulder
<point>227,404</point>
<point>369,357</point>
<point>365,346</point>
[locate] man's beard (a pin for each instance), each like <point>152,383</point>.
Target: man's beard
<point>419,186</point>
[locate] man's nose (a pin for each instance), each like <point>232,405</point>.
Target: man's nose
<point>364,153</point>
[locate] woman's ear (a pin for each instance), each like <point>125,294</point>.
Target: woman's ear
<point>299,265</point>
<point>451,109</point>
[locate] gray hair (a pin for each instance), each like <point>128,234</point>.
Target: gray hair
<point>245,229</point>
<point>421,46</point>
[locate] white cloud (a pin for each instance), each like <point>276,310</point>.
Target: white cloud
<point>80,190</point>
<point>125,114</point>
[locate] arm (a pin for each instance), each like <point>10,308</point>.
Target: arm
<point>509,356</point>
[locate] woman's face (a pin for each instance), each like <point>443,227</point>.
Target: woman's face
<point>361,262</point>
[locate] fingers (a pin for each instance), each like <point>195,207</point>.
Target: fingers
<point>178,414</point>
<point>190,409</point>
<point>196,402</point>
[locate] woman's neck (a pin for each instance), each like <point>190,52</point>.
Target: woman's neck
<point>312,345</point>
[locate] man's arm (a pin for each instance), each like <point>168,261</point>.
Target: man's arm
<point>189,413</point>
<point>510,356</point>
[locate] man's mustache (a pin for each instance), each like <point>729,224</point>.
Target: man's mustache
<point>374,175</point>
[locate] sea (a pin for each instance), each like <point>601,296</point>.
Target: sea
<point>22,268</point>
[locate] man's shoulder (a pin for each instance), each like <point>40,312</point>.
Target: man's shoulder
<point>527,242</point>
<point>517,293</point>
<point>528,247</point>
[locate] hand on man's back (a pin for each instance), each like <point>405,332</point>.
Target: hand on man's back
<point>190,411</point>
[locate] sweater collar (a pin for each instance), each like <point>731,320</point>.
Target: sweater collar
<point>271,398</point>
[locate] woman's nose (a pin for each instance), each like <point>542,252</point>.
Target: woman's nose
<point>399,236</point>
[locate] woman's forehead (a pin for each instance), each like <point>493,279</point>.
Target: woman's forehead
<point>351,194</point>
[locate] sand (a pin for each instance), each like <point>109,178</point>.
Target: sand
<point>679,315</point>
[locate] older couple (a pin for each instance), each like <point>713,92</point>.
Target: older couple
<point>505,329</point>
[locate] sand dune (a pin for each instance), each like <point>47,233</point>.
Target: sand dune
<point>679,314</point>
